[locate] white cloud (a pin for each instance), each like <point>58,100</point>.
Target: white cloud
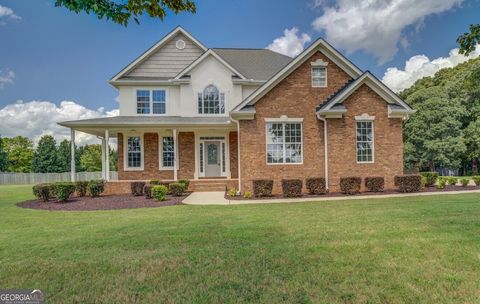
<point>36,118</point>
<point>420,66</point>
<point>291,43</point>
<point>375,26</point>
<point>6,77</point>
<point>7,13</point>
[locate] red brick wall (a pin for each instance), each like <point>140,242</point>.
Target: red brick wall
<point>233,154</point>
<point>186,153</point>
<point>296,98</point>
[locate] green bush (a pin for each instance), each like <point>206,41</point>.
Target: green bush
<point>476,180</point>
<point>247,195</point>
<point>409,183</point>
<point>42,191</point>
<point>155,182</point>
<point>177,189</point>
<point>96,187</point>
<point>186,182</point>
<point>232,192</point>
<point>423,181</point>
<point>137,188</point>
<point>262,187</point>
<point>375,183</point>
<point>442,182</point>
<point>452,181</point>
<point>63,190</point>
<point>350,185</point>
<point>81,188</point>
<point>316,185</point>
<point>292,187</point>
<point>159,192</point>
<point>464,181</point>
<point>431,178</point>
<point>147,191</point>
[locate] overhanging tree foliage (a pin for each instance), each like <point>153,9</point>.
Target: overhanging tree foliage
<point>469,41</point>
<point>122,11</point>
<point>442,133</point>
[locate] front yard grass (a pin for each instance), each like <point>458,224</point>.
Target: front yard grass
<point>401,250</point>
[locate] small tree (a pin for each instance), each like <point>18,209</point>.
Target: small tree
<point>19,153</point>
<point>45,158</point>
<point>3,157</point>
<point>91,159</point>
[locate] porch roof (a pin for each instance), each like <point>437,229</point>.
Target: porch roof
<point>148,121</point>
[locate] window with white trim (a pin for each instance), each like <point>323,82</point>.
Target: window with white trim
<point>364,141</point>
<point>134,152</point>
<point>151,102</point>
<point>319,77</point>
<point>284,143</point>
<point>211,101</point>
<point>168,153</point>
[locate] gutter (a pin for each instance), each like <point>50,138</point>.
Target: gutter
<point>325,139</point>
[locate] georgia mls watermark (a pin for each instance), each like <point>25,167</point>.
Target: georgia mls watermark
<point>21,296</point>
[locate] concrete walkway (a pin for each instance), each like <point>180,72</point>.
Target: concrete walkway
<point>217,198</point>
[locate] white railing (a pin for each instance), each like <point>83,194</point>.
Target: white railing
<point>37,178</point>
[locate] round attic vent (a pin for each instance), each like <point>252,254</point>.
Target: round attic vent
<point>180,44</point>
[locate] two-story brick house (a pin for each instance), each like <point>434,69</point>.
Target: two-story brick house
<point>229,116</point>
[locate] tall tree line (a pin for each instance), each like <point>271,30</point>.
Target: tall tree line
<point>17,154</point>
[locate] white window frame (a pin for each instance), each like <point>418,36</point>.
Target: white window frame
<point>125,151</point>
<point>283,120</point>
<point>221,99</point>
<point>321,85</point>
<point>369,119</point>
<point>160,149</point>
<point>150,90</point>
<point>223,139</point>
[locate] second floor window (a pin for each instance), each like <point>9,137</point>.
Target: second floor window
<point>211,101</point>
<point>151,102</point>
<point>319,77</point>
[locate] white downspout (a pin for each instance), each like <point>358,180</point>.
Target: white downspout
<point>238,155</point>
<point>325,139</point>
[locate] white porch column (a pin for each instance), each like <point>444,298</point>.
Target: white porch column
<point>107,155</point>
<point>104,176</point>
<point>72,155</point>
<point>175,155</point>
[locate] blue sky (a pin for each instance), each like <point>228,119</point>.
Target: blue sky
<point>51,54</point>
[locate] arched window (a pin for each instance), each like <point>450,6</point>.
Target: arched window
<point>211,101</point>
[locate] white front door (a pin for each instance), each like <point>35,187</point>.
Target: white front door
<point>212,159</point>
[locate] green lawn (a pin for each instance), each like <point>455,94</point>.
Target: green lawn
<point>411,250</point>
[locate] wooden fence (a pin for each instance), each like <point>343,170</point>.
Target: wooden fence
<point>37,178</point>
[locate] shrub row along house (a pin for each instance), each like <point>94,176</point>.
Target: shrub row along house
<point>225,117</point>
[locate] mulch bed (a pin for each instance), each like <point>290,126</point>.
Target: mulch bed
<point>338,194</point>
<point>106,202</point>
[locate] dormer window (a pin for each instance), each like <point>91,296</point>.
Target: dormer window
<point>211,101</point>
<point>319,74</point>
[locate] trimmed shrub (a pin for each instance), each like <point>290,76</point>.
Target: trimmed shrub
<point>292,187</point>
<point>442,182</point>
<point>476,180</point>
<point>350,185</point>
<point>452,181</point>
<point>247,195</point>
<point>186,182</point>
<point>464,181</point>
<point>42,191</point>
<point>232,192</point>
<point>409,183</point>
<point>375,183</point>
<point>262,187</point>
<point>177,189</point>
<point>431,178</point>
<point>63,190</point>
<point>316,185</point>
<point>159,192</point>
<point>96,187</point>
<point>81,188</point>
<point>147,191</point>
<point>137,188</point>
<point>154,182</point>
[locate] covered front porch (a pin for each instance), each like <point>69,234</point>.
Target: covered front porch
<point>199,148</point>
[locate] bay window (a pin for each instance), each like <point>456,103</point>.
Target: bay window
<point>284,143</point>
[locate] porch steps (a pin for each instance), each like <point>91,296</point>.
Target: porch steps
<point>211,185</point>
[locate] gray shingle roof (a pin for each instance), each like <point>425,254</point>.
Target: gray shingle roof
<point>258,64</point>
